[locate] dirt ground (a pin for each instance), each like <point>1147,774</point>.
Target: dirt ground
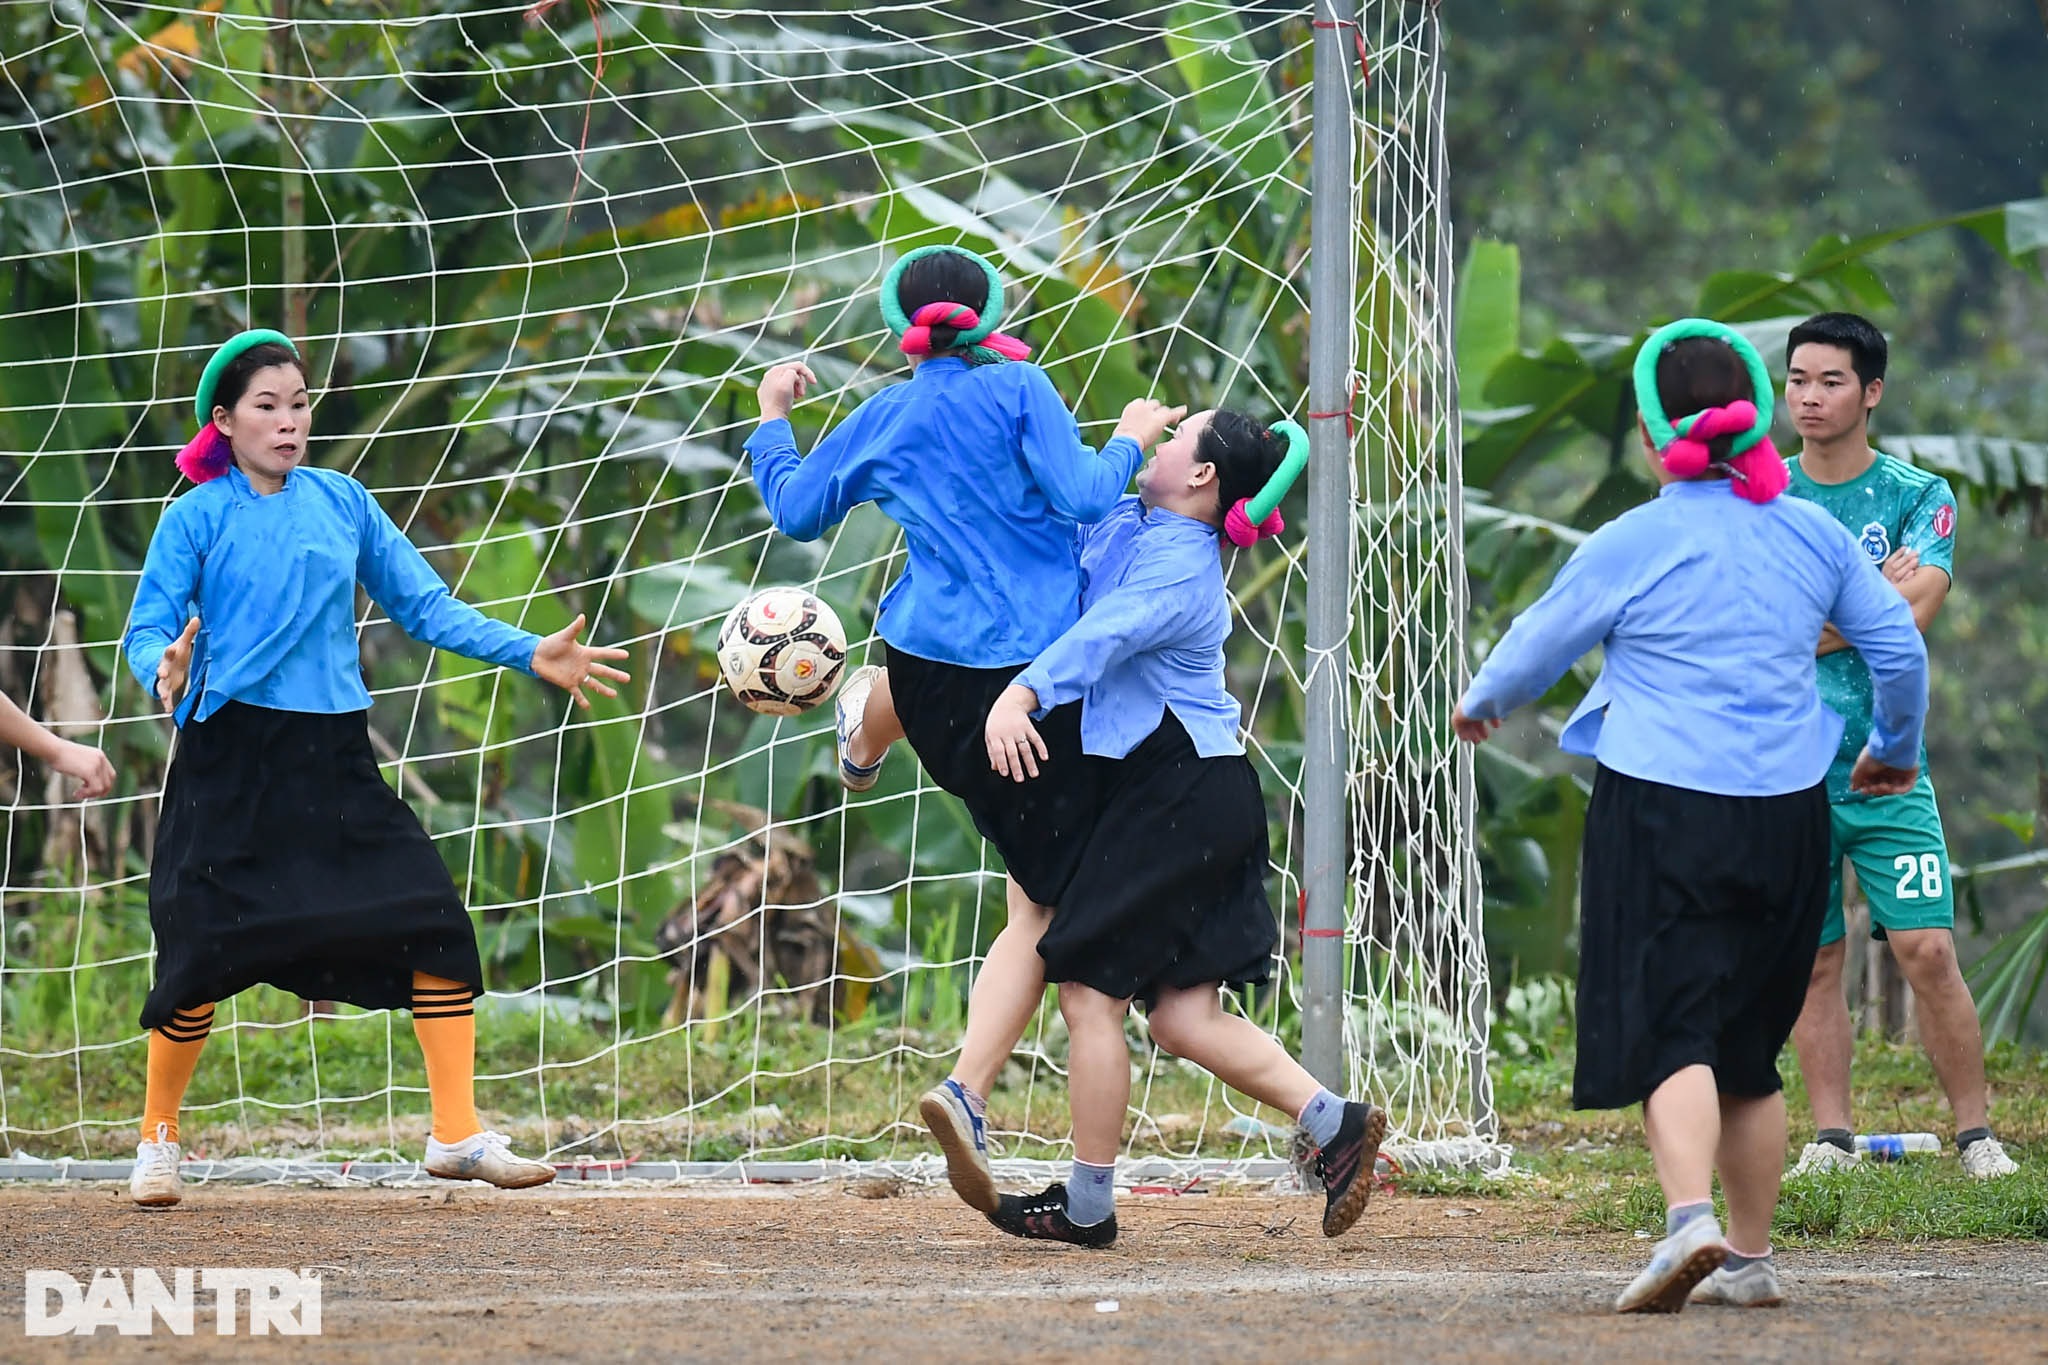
<point>818,1273</point>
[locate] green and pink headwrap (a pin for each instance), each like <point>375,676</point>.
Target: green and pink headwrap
<point>977,327</point>
<point>207,455</point>
<point>1755,469</point>
<point>1253,518</point>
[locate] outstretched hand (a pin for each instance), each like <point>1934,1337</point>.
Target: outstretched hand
<point>572,666</point>
<point>781,387</point>
<point>86,766</point>
<point>174,669</point>
<point>1470,730</point>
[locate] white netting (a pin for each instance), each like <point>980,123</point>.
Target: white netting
<point>536,267</point>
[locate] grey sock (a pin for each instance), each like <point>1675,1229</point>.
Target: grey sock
<point>1837,1137</point>
<point>1965,1138</point>
<point>1737,1261</point>
<point>1678,1215</point>
<point>1091,1194</point>
<point>1322,1117</point>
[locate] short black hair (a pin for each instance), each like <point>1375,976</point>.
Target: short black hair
<point>234,380</point>
<point>1858,335</point>
<point>1245,452</point>
<point>942,277</point>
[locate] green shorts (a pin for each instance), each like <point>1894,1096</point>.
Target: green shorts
<point>1901,859</point>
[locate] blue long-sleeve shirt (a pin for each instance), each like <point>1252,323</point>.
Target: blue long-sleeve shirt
<point>1709,607</point>
<point>1154,617</point>
<point>985,471</point>
<point>273,582</point>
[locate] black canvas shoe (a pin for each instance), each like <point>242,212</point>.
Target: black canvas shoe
<point>1043,1217</point>
<point>1346,1165</point>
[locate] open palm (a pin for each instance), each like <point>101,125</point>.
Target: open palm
<point>572,666</point>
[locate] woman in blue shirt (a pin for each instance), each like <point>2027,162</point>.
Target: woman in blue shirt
<point>983,467</point>
<point>1704,873</point>
<point>1168,903</point>
<point>282,857</point>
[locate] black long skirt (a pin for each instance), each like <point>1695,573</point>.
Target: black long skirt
<point>1170,890</point>
<point>283,858</point>
<point>1039,825</point>
<point>1699,918</point>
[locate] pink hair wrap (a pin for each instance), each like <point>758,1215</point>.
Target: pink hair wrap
<point>1237,524</point>
<point>1759,472</point>
<point>918,339</point>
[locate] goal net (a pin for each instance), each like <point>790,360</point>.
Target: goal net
<point>537,261</point>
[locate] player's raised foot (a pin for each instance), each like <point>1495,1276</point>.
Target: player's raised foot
<point>487,1157</point>
<point>1984,1159</point>
<point>963,1136</point>
<point>1346,1165</point>
<point>1043,1217</point>
<point>1677,1263</point>
<point>1818,1157</point>
<point>1753,1286</point>
<point>154,1181</point>
<point>850,709</point>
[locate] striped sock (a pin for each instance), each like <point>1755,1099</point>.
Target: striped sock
<point>173,1055</point>
<point>444,1019</point>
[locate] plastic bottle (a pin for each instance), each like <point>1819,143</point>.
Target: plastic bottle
<point>1895,1146</point>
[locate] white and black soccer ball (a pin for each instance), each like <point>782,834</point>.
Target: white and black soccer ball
<point>782,651</point>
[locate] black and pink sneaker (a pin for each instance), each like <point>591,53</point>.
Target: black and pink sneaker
<point>1043,1217</point>
<point>1346,1165</point>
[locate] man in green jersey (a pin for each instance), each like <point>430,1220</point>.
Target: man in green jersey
<point>1905,520</point>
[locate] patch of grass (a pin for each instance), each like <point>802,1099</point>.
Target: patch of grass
<point>1924,1199</point>
<point>1598,1163</point>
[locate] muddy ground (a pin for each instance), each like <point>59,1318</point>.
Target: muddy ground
<point>819,1273</point>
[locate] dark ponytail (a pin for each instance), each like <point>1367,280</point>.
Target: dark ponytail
<point>1246,454</point>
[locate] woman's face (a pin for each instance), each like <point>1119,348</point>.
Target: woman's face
<point>1174,464</point>
<point>270,423</point>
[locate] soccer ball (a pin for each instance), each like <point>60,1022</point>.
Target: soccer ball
<point>781,651</point>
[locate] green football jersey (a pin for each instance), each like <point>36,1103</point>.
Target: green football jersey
<point>1890,506</point>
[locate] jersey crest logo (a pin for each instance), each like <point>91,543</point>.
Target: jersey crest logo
<point>1877,542</point>
<point>1945,520</point>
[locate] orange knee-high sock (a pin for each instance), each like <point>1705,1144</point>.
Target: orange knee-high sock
<point>444,1017</point>
<point>173,1054</point>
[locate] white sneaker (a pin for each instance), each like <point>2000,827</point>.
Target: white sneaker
<point>1677,1263</point>
<point>487,1157</point>
<point>154,1182</point>
<point>1754,1286</point>
<point>963,1137</point>
<point>1823,1156</point>
<point>849,711</point>
<point>1984,1159</point>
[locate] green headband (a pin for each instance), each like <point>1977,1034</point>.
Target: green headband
<point>990,312</point>
<point>233,347</point>
<point>1663,431</point>
<point>1283,478</point>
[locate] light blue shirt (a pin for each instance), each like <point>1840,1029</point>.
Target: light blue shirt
<point>273,582</point>
<point>1154,617</point>
<point>1709,607</point>
<point>984,469</point>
